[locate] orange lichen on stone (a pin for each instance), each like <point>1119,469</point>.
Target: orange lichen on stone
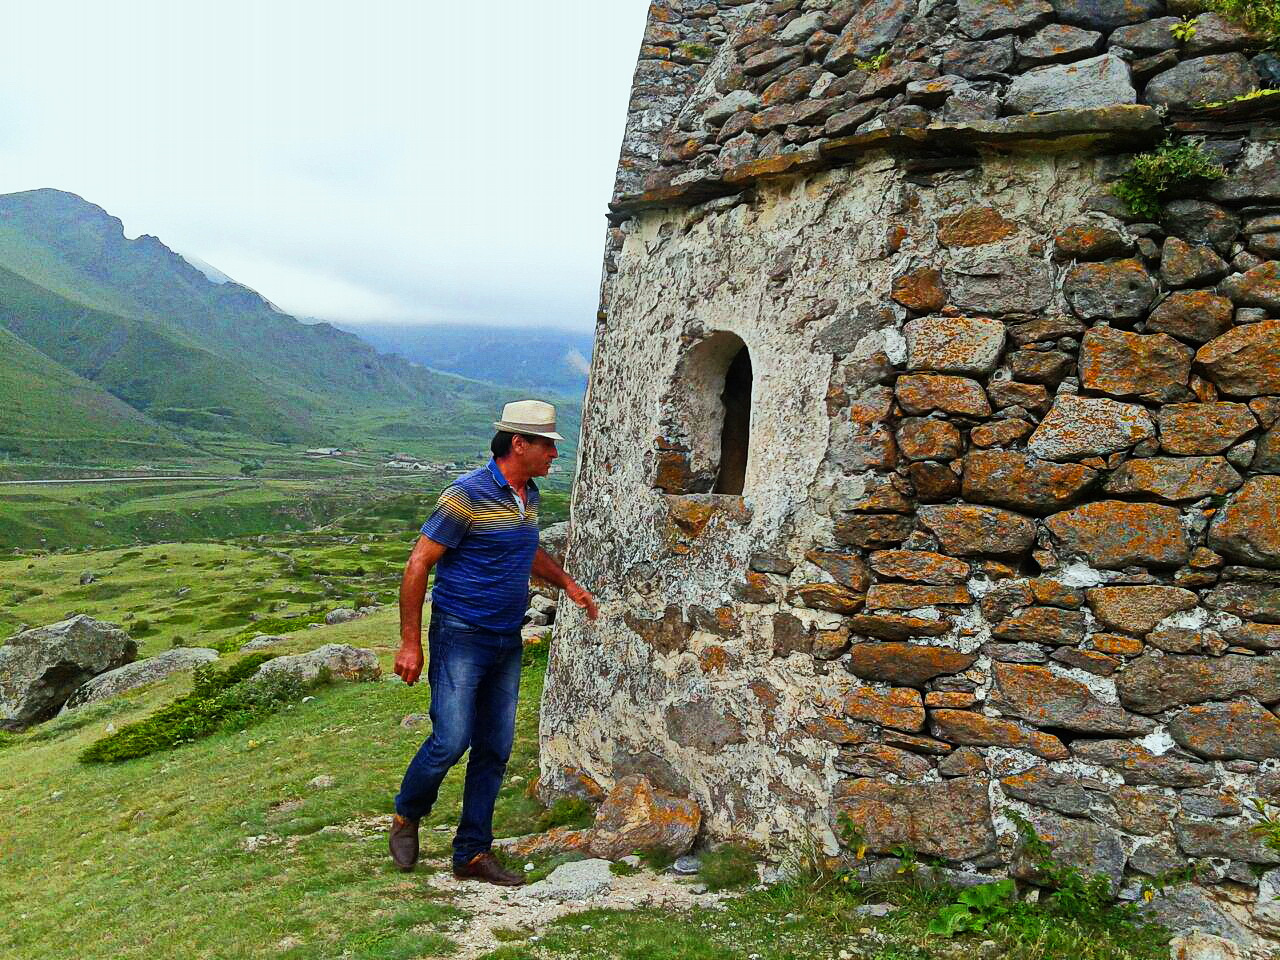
<point>974,227</point>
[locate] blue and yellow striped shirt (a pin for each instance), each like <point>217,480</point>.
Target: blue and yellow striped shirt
<point>483,578</point>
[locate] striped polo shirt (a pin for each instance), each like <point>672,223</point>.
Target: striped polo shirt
<point>483,578</point>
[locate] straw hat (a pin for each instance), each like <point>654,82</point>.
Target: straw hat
<point>532,417</point>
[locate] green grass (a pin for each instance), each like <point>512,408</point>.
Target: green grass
<point>1262,16</point>
<point>145,859</point>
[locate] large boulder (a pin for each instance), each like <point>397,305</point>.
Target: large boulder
<point>635,815</point>
<point>40,668</point>
<point>338,660</point>
<point>139,674</point>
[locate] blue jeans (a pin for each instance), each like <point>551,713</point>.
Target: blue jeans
<point>475,680</point>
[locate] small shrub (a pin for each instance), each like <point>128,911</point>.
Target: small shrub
<point>1153,176</point>
<point>620,869</point>
<point>1184,29</point>
<point>139,627</point>
<point>727,867</point>
<point>230,699</point>
<point>975,909</point>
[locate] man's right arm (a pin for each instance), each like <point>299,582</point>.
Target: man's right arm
<point>413,593</point>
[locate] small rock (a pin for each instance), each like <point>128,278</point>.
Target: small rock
<point>322,782</point>
<point>874,910</point>
<point>686,865</point>
<point>577,880</point>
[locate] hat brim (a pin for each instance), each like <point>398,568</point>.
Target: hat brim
<point>524,429</point>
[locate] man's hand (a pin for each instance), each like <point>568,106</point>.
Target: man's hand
<point>582,597</point>
<point>409,663</point>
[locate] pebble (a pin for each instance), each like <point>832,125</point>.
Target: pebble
<point>322,782</point>
<point>686,865</point>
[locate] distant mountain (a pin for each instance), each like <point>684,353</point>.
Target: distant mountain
<point>534,357</point>
<point>190,353</point>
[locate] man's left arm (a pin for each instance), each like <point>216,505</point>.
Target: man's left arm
<point>546,568</point>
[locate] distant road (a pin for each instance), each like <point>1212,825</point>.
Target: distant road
<point>25,483</point>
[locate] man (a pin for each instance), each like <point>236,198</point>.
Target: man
<point>482,540</point>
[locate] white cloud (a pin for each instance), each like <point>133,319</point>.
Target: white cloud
<point>389,160</point>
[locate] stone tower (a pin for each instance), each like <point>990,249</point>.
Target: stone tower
<point>921,479</point>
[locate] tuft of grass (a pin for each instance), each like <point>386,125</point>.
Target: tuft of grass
<point>567,811</point>
<point>1153,176</point>
<point>872,64</point>
<point>728,867</point>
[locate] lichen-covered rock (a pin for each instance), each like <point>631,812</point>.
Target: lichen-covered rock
<point>1255,178</point>
<point>1078,427</point>
<point>984,18</point>
<point>1046,699</point>
<point>1214,838</point>
<point>920,566</point>
<point>965,345</point>
<point>1023,482</point>
<point>1228,731</point>
<point>1091,241</point>
<point>873,28</point>
<point>1048,788</point>
<point>974,227</point>
<point>1187,265</point>
<point>1195,316</point>
<point>1000,285</point>
<point>1258,287</point>
<point>1138,766</point>
<point>1248,527</point>
<point>1058,43</point>
<point>972,729</point>
<point>338,661</point>
<point>1152,683</point>
<point>1137,609</point>
<point>1151,36</point>
<point>905,664</point>
<point>1098,82</point>
<point>1042,625</point>
<point>889,626</point>
<point>921,290</point>
<point>1112,533</point>
<point>976,531</point>
<point>1114,290</point>
<point>1200,429</point>
<point>42,667</point>
<point>1106,14</point>
<point>1152,367</point>
<point>913,596</point>
<point>1076,843</point>
<point>951,819</point>
<point>1202,80</point>
<point>900,708</point>
<point>1174,478</point>
<point>139,674</point>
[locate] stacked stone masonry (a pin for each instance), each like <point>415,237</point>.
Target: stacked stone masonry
<point>1010,530</point>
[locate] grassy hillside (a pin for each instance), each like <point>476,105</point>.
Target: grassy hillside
<point>48,412</point>
<point>138,319</point>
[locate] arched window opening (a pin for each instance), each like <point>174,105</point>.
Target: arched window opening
<point>705,441</point>
<point>735,437</point>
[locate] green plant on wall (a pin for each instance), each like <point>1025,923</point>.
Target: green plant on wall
<point>1184,29</point>
<point>1153,176</point>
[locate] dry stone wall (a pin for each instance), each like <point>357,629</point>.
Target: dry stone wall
<point>1010,531</point>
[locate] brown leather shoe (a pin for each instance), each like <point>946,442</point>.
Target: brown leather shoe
<point>485,866</point>
<point>404,842</point>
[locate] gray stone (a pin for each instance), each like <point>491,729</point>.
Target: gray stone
<point>1058,43</point>
<point>954,344</point>
<point>41,667</point>
<point>1000,285</point>
<point>341,615</point>
<point>1255,178</point>
<point>686,865</point>
<point>1150,37</point>
<point>1186,265</point>
<point>1215,838</point>
<point>577,880</point>
<point>728,105</point>
<point>1199,221</point>
<point>337,660</point>
<point>139,674</point>
<point>872,29</point>
<point>1098,82</point>
<point>1114,290</point>
<point>983,18</point>
<point>1089,426</point>
<point>1216,34</point>
<point>1046,788</point>
<point>1155,858</point>
<point>1106,14</point>
<point>977,59</point>
<point>1208,79</point>
<point>88,577</point>
<point>1151,684</point>
<point>1075,843</point>
<point>263,641</point>
<point>801,28</point>
<point>1191,907</point>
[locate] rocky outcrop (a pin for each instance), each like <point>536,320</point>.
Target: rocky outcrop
<point>139,674</point>
<point>42,667</point>
<point>334,661</point>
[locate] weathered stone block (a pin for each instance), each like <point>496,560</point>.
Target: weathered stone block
<point>921,439</point>
<point>887,626</point>
<point>912,596</point>
<point>1248,527</point>
<point>1214,838</point>
<point>1155,368</point>
<point>1115,290</point>
<point>1226,731</point>
<point>1045,699</point>
<point>1091,241</point>
<point>999,285</point>
<point>825,596</point>
<point>1058,42</point>
<point>1023,482</point>
<point>1138,765</point>
<point>974,227</point>
<point>1249,601</point>
<point>873,531</point>
<point>975,730</point>
<point>1079,427</point>
<point>906,664</point>
<point>1244,362</point>
<point>1198,429</point>
<point>1203,80</point>
<point>702,725</point>
<point>1153,683</point>
<point>967,345</point>
<point>1106,14</point>
<point>1185,265</point>
<point>1196,316</point>
<point>1137,610</point>
<point>925,393</point>
<point>1174,479</point>
<point>920,566</point>
<point>921,290</point>
<point>1047,788</point>
<point>666,635</point>
<point>870,30</point>
<point>901,708</point>
<point>1042,625</point>
<point>1097,82</point>
<point>976,531</point>
<point>951,819</point>
<point>1112,533</point>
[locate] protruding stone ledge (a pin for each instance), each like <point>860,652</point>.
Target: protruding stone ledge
<point>1061,131</point>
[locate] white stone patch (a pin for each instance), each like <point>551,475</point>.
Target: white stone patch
<point>1079,574</point>
<point>1157,741</point>
<point>1196,618</point>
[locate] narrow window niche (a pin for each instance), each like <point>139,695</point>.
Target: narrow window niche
<point>705,443</point>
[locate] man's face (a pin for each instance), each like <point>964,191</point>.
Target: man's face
<point>535,455</point>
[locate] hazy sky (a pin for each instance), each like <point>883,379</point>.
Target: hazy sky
<point>381,160</point>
